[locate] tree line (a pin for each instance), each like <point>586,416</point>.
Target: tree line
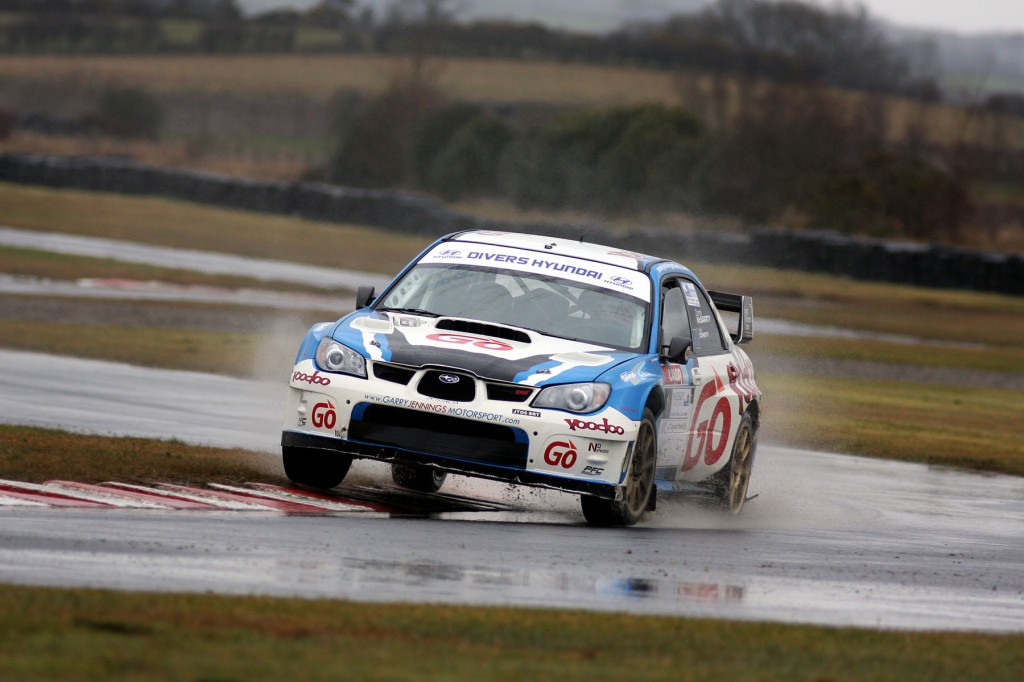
<point>792,154</point>
<point>790,41</point>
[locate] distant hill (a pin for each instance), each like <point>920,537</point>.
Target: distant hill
<point>968,66</point>
<point>578,15</point>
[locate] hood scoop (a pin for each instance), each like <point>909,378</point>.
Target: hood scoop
<point>494,331</point>
<point>374,325</point>
<point>582,359</point>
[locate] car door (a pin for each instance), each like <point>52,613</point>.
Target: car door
<point>697,423</point>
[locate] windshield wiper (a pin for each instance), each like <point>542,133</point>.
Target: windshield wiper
<point>409,311</point>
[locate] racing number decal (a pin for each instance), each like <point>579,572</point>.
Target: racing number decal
<point>706,432</point>
<point>720,421</point>
<point>561,453</point>
<point>324,416</point>
<point>478,341</point>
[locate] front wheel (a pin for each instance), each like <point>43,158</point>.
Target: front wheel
<point>315,468</point>
<point>638,487</point>
<point>419,478</point>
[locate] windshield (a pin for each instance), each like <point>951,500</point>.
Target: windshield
<point>548,304</point>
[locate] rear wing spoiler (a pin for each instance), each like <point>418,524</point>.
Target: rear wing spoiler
<point>735,303</point>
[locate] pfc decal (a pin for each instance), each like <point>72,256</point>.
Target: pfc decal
<point>595,426</point>
<point>314,378</point>
<point>592,471</point>
<point>561,453</point>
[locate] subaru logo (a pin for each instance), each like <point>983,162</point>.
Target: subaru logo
<point>449,379</point>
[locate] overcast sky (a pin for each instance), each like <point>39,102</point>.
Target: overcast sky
<point>964,16</point>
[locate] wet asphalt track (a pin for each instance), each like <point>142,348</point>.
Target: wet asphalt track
<point>829,539</point>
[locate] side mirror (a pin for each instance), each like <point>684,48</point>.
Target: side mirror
<point>677,348</point>
<point>364,296</point>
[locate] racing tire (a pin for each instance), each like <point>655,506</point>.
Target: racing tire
<point>314,468</point>
<point>418,478</point>
<point>731,482</point>
<point>639,484</point>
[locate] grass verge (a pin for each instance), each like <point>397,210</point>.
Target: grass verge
<point>33,263</point>
<point>231,353</point>
<point>181,224</point>
<point>57,634</point>
<point>967,427</point>
<point>991,359</point>
<point>37,455</point>
<point>813,298</point>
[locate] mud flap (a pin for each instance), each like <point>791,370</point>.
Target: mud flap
<point>652,501</point>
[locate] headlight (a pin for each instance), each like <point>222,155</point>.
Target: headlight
<point>334,357</point>
<point>574,397</point>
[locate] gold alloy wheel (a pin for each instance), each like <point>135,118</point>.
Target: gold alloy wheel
<point>739,470</point>
<point>641,471</point>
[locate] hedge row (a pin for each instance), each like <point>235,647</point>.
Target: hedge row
<point>870,259</point>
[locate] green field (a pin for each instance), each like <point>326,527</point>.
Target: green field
<point>96,635</point>
<point>38,455</point>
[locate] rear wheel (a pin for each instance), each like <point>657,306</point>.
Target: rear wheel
<point>413,477</point>
<point>315,468</point>
<point>638,487</point>
<point>731,482</point>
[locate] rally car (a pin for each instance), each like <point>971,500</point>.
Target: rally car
<point>536,361</point>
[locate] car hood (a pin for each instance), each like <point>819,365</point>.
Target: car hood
<point>496,352</point>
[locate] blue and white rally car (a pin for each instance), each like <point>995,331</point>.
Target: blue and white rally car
<point>536,361</point>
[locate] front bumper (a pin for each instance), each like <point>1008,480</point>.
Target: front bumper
<point>486,436</point>
<point>385,453</point>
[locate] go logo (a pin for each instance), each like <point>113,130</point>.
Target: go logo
<point>477,341</point>
<point>709,438</point>
<point>324,416</point>
<point>561,453</point>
